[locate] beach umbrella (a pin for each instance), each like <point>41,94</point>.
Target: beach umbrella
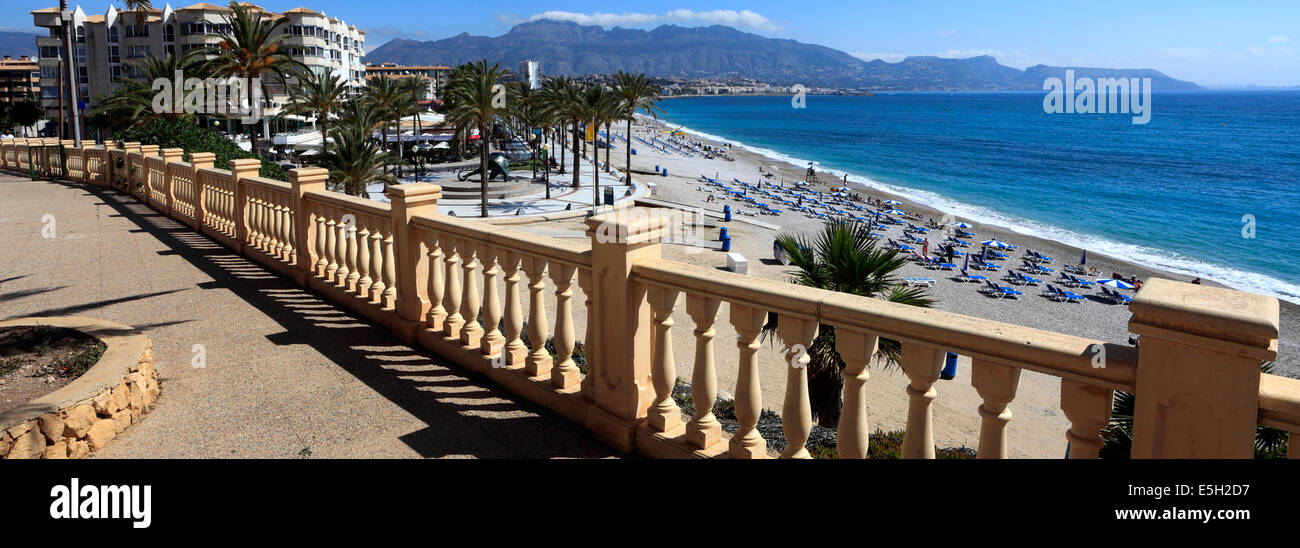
<point>895,212</point>
<point>994,243</point>
<point>966,263</point>
<point>1117,284</point>
<point>893,202</point>
<point>963,225</point>
<point>1084,259</point>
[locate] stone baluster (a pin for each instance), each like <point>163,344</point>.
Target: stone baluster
<point>354,274</point>
<point>538,362</point>
<point>203,204</point>
<point>493,340</point>
<point>663,415</point>
<point>796,412</point>
<point>590,343</point>
<point>471,299</point>
<point>747,443</point>
<point>922,365</point>
<point>322,241</point>
<point>1088,409</point>
<point>345,222</point>
<point>996,385</point>
<point>377,264</point>
<point>437,313</point>
<point>362,244</point>
<point>703,430</point>
<point>515,351</point>
<point>451,296</point>
<point>389,297</point>
<point>565,374</point>
<point>856,349</point>
<point>331,243</point>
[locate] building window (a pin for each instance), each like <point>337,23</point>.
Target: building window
<point>115,74</point>
<point>50,92</point>
<point>134,31</point>
<point>83,76</point>
<point>112,35</point>
<point>51,52</point>
<point>137,51</point>
<point>81,35</point>
<point>50,72</point>
<point>114,56</point>
<point>169,33</point>
<point>171,49</point>
<point>81,55</point>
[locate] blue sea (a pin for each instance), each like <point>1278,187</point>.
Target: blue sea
<point>1170,194</point>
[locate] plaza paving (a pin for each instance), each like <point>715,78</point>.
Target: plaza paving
<point>285,372</point>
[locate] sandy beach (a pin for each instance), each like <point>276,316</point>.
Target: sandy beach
<point>1038,427</point>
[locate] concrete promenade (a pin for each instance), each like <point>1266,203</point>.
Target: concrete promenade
<point>285,373</point>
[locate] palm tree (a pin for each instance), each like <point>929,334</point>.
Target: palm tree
<point>637,93</point>
<point>565,96</point>
<point>251,49</point>
<point>141,9</point>
<point>473,100</point>
<point>387,95</point>
<point>132,105</point>
<point>352,156</point>
<point>843,257</point>
<point>318,95</point>
<point>600,106</point>
<point>528,111</point>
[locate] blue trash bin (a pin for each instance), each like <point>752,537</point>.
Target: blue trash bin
<point>726,243</point>
<point>665,172</point>
<point>726,213</point>
<point>722,234</point>
<point>949,368</point>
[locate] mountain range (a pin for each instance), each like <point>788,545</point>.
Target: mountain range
<point>670,51</point>
<point>17,44</point>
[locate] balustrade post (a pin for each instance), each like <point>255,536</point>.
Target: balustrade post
<point>565,374</point>
<point>201,161</point>
<point>493,341</point>
<point>1087,407</point>
<point>996,385</point>
<point>664,415</point>
<point>412,270</point>
<point>437,284</point>
<point>703,430</point>
<point>1199,369</point>
<point>747,442</point>
<point>622,392</point>
<point>857,349</point>
<point>169,185</point>
<point>515,350</point>
<point>538,362</point>
<point>302,181</point>
<point>239,169</point>
<point>922,365</point>
<point>796,412</point>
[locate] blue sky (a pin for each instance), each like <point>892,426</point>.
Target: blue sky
<point>1209,42</point>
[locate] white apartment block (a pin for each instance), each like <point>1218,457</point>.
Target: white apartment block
<point>105,45</point>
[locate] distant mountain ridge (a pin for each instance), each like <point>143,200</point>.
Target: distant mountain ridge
<point>570,49</point>
<point>17,44</point>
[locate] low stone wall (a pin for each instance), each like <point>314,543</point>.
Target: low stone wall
<point>93,409</point>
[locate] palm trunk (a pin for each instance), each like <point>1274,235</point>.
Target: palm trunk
<point>483,173</point>
<point>577,159</point>
<point>627,143</point>
<point>609,141</point>
<point>595,181</point>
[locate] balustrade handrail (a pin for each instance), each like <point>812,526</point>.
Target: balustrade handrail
<point>1279,402</point>
<point>1046,352</point>
<point>338,199</point>
<point>578,254</point>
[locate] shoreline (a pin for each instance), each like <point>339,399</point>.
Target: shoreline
<point>748,159</point>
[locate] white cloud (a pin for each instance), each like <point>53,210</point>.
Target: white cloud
<point>741,19</point>
<point>1279,39</point>
<point>947,33</point>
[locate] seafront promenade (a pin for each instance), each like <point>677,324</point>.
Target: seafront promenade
<point>426,278</point>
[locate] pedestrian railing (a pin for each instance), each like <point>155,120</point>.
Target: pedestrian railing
<point>501,301</point>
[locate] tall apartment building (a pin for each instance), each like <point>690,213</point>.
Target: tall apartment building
<point>105,45</point>
<point>18,78</point>
<point>436,76</point>
<point>530,73</point>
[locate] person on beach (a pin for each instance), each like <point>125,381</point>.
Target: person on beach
<point>1197,281</point>
<point>925,247</point>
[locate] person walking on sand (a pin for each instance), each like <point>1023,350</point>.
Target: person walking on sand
<point>925,247</point>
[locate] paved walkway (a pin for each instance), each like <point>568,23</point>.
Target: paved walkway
<point>285,373</point>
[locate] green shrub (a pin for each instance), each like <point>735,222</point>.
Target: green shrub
<point>181,133</point>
